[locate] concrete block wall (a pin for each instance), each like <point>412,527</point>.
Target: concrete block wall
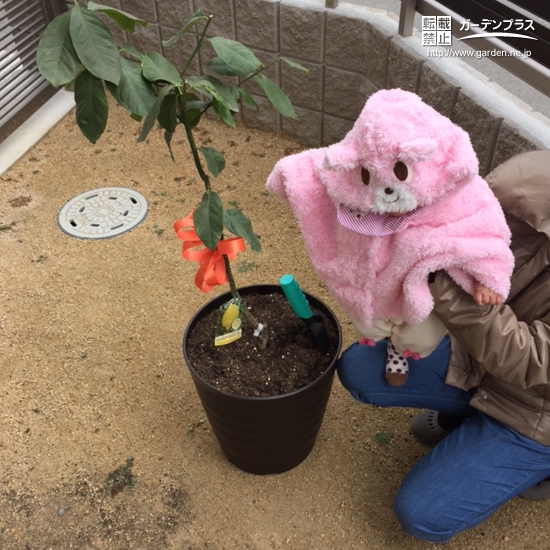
<point>351,52</point>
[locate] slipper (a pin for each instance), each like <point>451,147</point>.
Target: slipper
<point>540,491</point>
<point>426,428</point>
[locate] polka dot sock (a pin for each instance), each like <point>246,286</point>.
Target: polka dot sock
<point>397,367</point>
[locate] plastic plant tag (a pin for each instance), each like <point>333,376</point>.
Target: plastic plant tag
<point>229,322</point>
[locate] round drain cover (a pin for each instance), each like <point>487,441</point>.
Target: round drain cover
<point>102,213</point>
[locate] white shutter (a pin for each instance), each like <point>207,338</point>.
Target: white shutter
<point>22,23</point>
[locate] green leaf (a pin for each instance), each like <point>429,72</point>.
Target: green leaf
<point>193,110</point>
<point>151,118</point>
<point>236,222</point>
<point>192,117</point>
<point>235,54</point>
<point>208,220</point>
<point>201,85</point>
<point>230,94</point>
<point>214,160</point>
<point>156,67</point>
<point>216,65</point>
<point>295,65</point>
<point>130,50</point>
<point>168,139</point>
<point>195,18</point>
<point>92,108</point>
<point>126,21</point>
<point>221,109</point>
<point>248,98</point>
<point>191,101</point>
<point>204,86</point>
<point>276,96</point>
<point>56,58</point>
<point>94,44</point>
<point>167,113</point>
<point>133,91</point>
<point>201,105</point>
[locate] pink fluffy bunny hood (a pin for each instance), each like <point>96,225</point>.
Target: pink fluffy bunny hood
<point>401,156</point>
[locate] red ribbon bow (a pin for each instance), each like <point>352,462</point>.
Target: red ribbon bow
<point>211,264</point>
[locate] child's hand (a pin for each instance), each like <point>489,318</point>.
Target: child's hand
<point>483,295</point>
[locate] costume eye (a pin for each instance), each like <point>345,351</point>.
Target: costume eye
<point>401,171</point>
<point>365,176</point>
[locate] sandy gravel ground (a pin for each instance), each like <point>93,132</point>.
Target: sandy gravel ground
<point>92,373</point>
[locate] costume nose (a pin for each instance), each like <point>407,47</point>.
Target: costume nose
<point>388,190</point>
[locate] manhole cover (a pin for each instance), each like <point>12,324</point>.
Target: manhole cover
<point>102,213</point>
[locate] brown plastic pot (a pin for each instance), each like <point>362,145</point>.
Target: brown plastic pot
<point>265,435</point>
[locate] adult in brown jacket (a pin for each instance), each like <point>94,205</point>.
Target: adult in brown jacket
<point>487,385</point>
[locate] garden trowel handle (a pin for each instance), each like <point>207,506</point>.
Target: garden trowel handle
<point>295,296</point>
<point>300,305</point>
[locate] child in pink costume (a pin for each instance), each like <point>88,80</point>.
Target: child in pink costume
<point>398,198</point>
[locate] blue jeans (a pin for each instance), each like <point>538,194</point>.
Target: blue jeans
<point>464,479</point>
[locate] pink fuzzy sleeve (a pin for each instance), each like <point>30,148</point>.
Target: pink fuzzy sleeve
<point>276,180</point>
<point>295,175</point>
<point>296,180</point>
<point>471,247</point>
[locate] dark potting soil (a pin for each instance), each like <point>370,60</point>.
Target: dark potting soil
<point>290,361</point>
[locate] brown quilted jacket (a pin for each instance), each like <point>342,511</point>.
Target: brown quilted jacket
<point>504,351</point>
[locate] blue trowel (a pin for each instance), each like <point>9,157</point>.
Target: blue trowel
<point>300,305</point>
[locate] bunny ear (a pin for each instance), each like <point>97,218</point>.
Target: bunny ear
<point>341,156</point>
<point>276,180</point>
<point>462,164</point>
<point>463,173</point>
<point>417,150</point>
